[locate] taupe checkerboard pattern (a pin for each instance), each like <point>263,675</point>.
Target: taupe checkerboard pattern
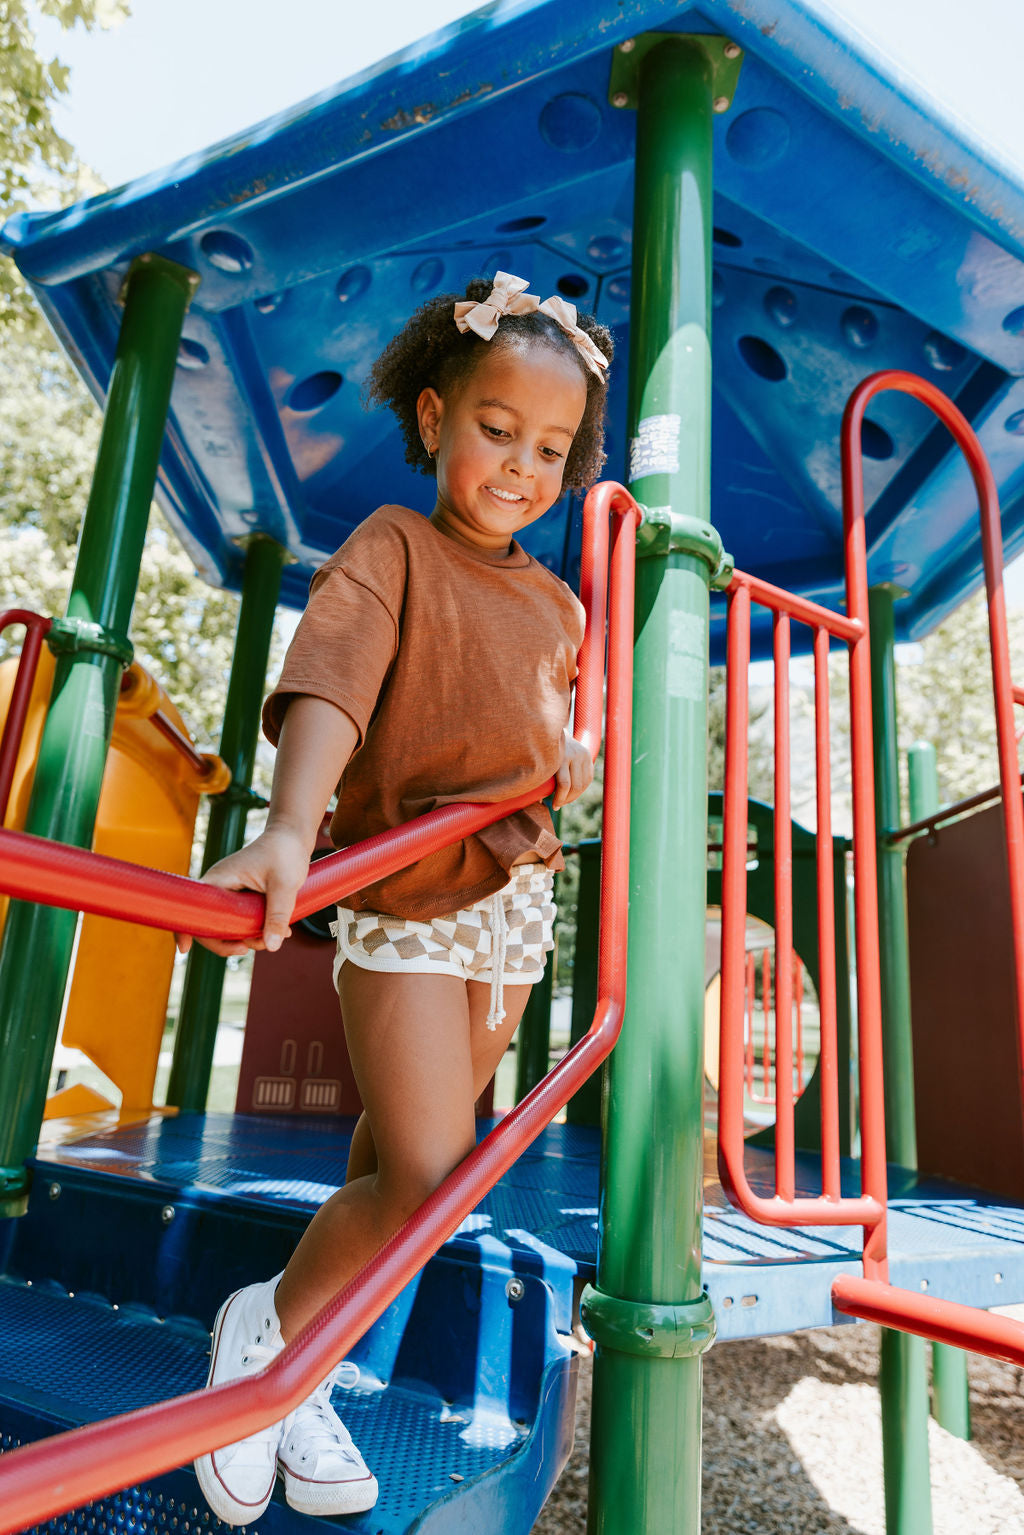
<point>460,943</point>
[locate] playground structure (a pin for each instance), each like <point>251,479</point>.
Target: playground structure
<point>465,1371</point>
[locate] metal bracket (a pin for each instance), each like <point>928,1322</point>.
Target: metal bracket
<point>238,794</point>
<point>664,531</point>
<point>725,56</point>
<point>648,1329</point>
<point>78,636</point>
<point>149,261</point>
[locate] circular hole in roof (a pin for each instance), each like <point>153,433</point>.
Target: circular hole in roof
<point>312,392</point>
<point>780,305</point>
<point>498,261</point>
<point>1014,322</point>
<point>352,283</point>
<point>758,137</point>
<point>572,285</point>
<point>717,290</point>
<point>1015,423</point>
<point>606,249</point>
<point>517,226</point>
<point>762,359</point>
<point>570,122</point>
<point>859,326</point>
<point>726,237</point>
<point>192,354</point>
<point>618,288</point>
<point>268,302</point>
<point>226,251</point>
<point>941,353</point>
<point>875,441</point>
<point>427,275</point>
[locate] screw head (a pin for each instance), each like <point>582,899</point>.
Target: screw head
<point>628,45</point>
<point>732,50</point>
<point>167,1214</point>
<point>721,103</point>
<point>54,1191</point>
<point>620,99</point>
<point>515,1289</point>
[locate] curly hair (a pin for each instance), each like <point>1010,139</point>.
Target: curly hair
<point>431,352</point>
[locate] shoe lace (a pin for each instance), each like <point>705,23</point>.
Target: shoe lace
<point>321,1427</point>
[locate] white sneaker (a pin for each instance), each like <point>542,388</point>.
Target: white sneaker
<point>323,1471</point>
<point>237,1481</point>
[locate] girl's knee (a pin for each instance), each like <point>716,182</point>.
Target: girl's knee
<point>406,1187</point>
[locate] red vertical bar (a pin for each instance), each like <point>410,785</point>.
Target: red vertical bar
<point>36,628</point>
<point>588,703</point>
<point>785,1156</point>
<point>767,1007</point>
<point>734,885</point>
<point>751,997</point>
<point>869,990</point>
<point>798,998</point>
<point>828,1057</point>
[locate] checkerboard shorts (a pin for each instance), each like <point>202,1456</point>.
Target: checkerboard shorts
<point>459,943</point>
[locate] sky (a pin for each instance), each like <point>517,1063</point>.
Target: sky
<point>180,75</point>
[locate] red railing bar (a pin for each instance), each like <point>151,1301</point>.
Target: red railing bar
<point>801,608</point>
<point>767,1010</point>
<point>181,743</point>
<point>1018,694</point>
<point>36,629</point>
<point>828,1045</point>
<point>42,1480</point>
<point>967,1327</point>
<point>785,1146</point>
<point>749,1015</point>
<point>798,999</point>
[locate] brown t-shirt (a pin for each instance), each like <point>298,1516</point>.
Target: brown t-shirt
<point>455,665</point>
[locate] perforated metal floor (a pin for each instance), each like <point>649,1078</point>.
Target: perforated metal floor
<point>952,1242</point>
<point>66,1360</point>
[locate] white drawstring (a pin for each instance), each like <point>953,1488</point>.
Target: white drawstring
<point>499,943</point>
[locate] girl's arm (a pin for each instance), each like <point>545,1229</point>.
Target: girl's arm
<point>317,739</point>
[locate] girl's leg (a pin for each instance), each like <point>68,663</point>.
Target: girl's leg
<point>410,1043</point>
<point>487,1050</point>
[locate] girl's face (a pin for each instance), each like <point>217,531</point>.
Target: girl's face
<point>503,435</point>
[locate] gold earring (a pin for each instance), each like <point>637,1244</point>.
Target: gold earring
<point>431,448</point>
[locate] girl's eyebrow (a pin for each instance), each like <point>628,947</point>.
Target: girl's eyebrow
<point>501,405</point>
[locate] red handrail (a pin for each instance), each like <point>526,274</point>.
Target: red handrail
<point>784,1208</point>
<point>870,1297</point>
<point>36,629</point>
<point>42,1480</point>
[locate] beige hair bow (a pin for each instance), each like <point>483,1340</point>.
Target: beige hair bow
<point>508,296</point>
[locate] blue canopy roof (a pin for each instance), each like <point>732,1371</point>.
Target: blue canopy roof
<point>856,228</point>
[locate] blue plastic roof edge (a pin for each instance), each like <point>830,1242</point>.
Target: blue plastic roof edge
<point>837,68</point>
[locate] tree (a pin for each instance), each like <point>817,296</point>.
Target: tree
<point>182,630</point>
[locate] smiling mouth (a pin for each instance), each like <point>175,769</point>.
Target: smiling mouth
<point>505,495</point>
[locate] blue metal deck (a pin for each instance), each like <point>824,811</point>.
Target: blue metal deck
<point>955,1243</point>
<point>857,226</point>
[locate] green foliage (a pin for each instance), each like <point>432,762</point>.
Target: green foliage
<point>183,631</point>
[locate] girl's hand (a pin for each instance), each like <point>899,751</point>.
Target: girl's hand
<point>276,865</point>
<point>575,771</point>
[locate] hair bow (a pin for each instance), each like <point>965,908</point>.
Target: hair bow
<point>508,296</point>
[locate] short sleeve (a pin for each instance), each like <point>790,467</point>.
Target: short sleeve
<point>342,651</point>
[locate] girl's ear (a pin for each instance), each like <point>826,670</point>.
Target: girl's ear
<point>429,410</point>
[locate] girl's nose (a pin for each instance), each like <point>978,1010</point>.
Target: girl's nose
<point>517,460</point>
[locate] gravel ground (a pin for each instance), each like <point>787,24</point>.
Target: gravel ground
<point>792,1442</point>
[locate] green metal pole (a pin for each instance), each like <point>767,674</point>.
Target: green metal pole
<point>951,1402</point>
<point>903,1371</point>
<point>648,1314</point>
<point>199,1014</point>
<point>92,647</point>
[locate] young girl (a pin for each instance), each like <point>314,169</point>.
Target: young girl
<point>433,664</point>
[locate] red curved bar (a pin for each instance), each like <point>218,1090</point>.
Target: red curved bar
<point>36,629</point>
<point>42,1480</point>
<point>968,1327</point>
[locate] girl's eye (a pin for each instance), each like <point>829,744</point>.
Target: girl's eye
<point>494,431</point>
<point>550,453</point>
